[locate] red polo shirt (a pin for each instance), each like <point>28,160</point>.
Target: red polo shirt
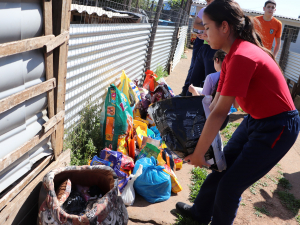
<point>253,77</point>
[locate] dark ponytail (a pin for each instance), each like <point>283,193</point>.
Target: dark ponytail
<point>243,26</point>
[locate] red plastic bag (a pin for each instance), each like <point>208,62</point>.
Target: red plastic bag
<point>150,82</point>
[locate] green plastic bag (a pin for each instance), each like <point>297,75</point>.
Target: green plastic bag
<point>118,120</point>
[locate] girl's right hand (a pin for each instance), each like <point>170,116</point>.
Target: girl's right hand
<point>193,90</point>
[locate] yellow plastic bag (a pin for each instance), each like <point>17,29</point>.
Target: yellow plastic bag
<point>142,125</point>
<point>140,119</point>
<point>140,134</point>
<point>160,161</point>
<point>176,187</point>
<point>126,89</point>
<point>122,145</point>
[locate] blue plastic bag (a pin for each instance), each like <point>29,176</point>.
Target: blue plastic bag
<point>154,184</point>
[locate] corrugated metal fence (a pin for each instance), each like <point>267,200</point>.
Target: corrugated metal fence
<point>97,55</point>
<point>180,46</point>
<point>162,46</point>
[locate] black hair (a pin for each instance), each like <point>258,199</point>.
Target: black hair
<point>270,1</point>
<point>220,54</point>
<point>242,25</point>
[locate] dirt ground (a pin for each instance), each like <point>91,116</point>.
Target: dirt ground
<point>261,195</point>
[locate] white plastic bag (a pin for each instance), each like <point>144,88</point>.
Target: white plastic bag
<point>128,194</point>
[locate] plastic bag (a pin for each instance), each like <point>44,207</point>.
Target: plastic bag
<point>118,118</point>
<point>126,88</point>
<point>113,157</point>
<point>154,184</point>
<point>176,187</point>
<point>127,163</point>
<point>150,82</point>
<point>148,151</point>
<point>128,194</point>
<point>74,204</point>
<point>180,122</point>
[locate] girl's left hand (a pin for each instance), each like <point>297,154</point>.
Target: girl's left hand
<point>196,160</point>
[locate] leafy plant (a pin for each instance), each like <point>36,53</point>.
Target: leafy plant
<point>185,221</point>
<point>262,210</point>
<point>285,183</point>
<point>85,139</point>
<point>183,56</point>
<point>289,200</point>
<point>198,177</point>
<point>160,72</point>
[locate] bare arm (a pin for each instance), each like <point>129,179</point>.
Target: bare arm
<point>214,102</point>
<point>277,46</point>
<point>235,104</point>
<point>210,130</point>
<point>197,24</point>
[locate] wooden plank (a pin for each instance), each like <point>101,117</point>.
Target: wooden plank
<point>57,41</point>
<point>16,154</point>
<point>9,213</point>
<point>16,99</point>
<point>53,121</point>
<point>16,47</point>
<point>62,73</point>
<point>19,187</point>
<point>48,30</point>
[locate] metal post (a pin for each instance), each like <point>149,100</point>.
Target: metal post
<point>174,41</point>
<point>151,11</point>
<point>285,49</point>
<point>137,6</point>
<point>129,5</point>
<point>153,33</point>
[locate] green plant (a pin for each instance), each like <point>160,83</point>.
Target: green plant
<point>252,190</point>
<point>288,200</point>
<point>285,183</point>
<point>180,220</point>
<point>297,218</point>
<point>85,139</point>
<point>183,56</point>
<point>160,72</point>
<point>262,210</point>
<point>243,204</point>
<point>198,177</point>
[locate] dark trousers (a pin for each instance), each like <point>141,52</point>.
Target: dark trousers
<point>197,45</point>
<point>254,149</point>
<point>203,65</point>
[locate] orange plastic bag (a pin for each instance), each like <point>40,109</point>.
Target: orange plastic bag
<point>150,82</point>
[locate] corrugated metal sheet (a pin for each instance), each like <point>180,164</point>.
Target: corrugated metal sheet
<point>292,69</point>
<point>162,46</point>
<point>97,55</point>
<point>180,46</point>
<point>20,20</point>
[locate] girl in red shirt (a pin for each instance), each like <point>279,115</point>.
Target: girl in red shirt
<point>250,75</point>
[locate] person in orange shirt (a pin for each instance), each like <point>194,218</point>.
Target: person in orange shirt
<point>269,27</point>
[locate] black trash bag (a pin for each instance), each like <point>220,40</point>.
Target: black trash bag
<point>74,204</point>
<point>180,121</point>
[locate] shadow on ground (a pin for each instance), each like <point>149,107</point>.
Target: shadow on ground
<point>282,197</point>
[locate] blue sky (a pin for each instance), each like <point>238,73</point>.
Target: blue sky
<point>289,8</point>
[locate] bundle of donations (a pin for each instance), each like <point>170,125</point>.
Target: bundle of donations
<point>142,129</point>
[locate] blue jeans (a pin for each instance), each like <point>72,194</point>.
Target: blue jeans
<point>203,65</point>
<point>254,149</point>
<point>197,45</point>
